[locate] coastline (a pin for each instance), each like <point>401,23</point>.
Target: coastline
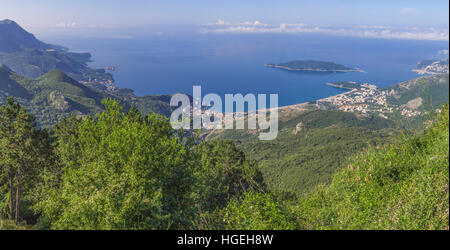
<point>300,105</point>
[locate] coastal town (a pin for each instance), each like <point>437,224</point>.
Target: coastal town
<point>368,98</point>
<point>432,67</point>
<point>100,78</point>
<point>364,98</point>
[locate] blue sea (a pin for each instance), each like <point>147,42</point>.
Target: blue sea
<point>231,63</point>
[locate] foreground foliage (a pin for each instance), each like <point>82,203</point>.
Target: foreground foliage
<point>25,153</point>
<point>403,187</point>
<point>121,171</point>
<point>258,211</point>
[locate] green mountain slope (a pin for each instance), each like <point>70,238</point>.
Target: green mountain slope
<point>30,57</point>
<point>423,93</point>
<point>311,145</point>
<point>14,38</point>
<point>405,186</point>
<point>55,96</point>
<point>10,86</point>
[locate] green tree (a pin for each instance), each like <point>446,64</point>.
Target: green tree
<point>120,171</point>
<point>223,173</point>
<point>257,211</point>
<point>66,133</point>
<point>23,150</point>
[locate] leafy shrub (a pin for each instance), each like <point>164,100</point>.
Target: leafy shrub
<point>402,187</point>
<point>257,211</point>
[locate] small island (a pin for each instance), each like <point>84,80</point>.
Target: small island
<point>313,66</point>
<point>346,85</point>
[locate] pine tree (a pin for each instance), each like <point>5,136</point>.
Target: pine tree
<point>23,151</point>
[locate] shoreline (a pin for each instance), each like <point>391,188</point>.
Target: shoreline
<point>343,93</point>
<point>308,103</point>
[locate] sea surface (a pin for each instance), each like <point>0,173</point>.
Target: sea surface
<point>231,63</point>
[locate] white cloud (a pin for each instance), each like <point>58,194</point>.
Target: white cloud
<point>67,24</point>
<point>255,23</point>
<point>371,27</point>
<point>356,31</point>
<point>294,24</point>
<point>258,23</point>
<point>222,22</point>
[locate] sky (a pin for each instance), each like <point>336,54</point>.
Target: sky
<point>411,19</point>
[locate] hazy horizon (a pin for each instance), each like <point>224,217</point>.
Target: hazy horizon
<point>413,20</point>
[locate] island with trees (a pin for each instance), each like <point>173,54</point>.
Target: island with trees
<point>313,66</point>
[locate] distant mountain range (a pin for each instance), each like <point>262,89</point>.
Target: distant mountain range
<point>46,79</point>
<point>28,56</point>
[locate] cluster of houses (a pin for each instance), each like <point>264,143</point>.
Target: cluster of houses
<point>368,98</point>
<point>434,68</point>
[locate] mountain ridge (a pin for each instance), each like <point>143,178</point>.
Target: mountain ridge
<point>22,52</point>
<point>14,38</point>
<point>55,96</point>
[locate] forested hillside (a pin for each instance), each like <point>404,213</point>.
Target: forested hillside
<point>405,186</point>
<point>424,94</point>
<point>311,145</point>
<point>32,58</point>
<point>55,96</point>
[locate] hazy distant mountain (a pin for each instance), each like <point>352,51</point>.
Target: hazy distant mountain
<point>14,38</point>
<point>26,55</point>
<point>45,78</point>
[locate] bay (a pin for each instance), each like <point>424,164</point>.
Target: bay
<point>234,63</point>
